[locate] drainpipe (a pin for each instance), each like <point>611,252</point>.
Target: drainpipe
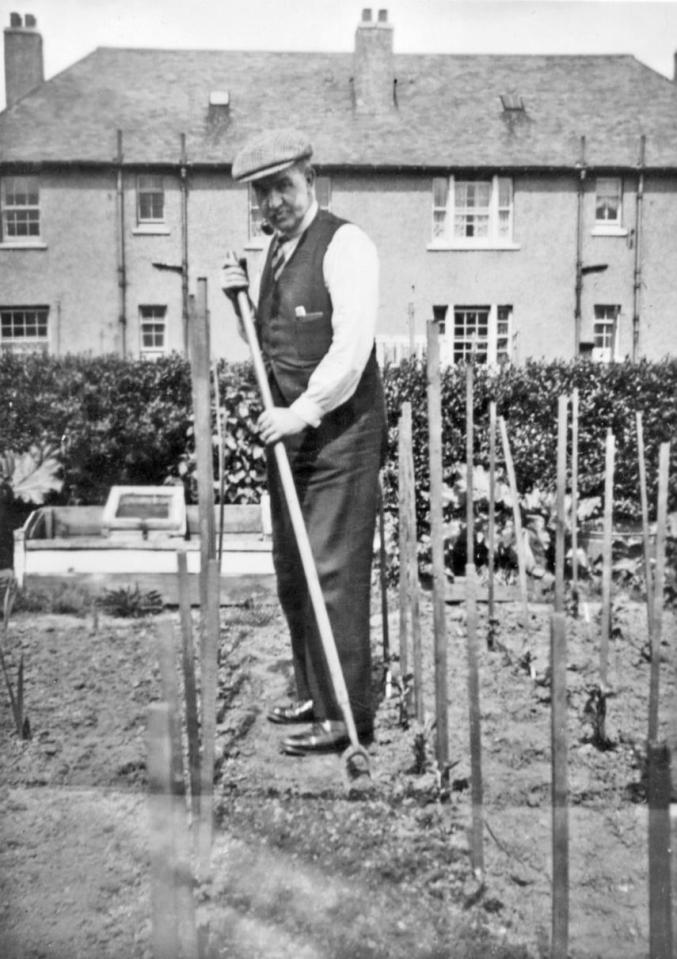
<point>579,250</point>
<point>637,274</point>
<point>121,265</point>
<point>184,243</point>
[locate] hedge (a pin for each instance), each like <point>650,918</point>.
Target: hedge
<point>119,421</point>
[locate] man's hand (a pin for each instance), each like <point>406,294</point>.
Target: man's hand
<point>278,422</point>
<point>234,278</point>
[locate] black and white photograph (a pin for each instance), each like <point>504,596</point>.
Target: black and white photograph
<point>338,479</point>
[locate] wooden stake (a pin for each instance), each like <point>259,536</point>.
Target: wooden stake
<point>437,543</point>
<point>190,694</point>
<point>413,580</point>
<point>648,576</point>
<point>574,498</point>
<point>560,812</point>
<point>517,520</point>
<point>161,845</point>
<point>660,892</point>
<point>659,586</point>
<point>222,472</point>
<point>404,443</point>
<point>383,578</point>
<point>607,559</point>
<point>561,493</point>
<point>491,530</point>
<point>208,680</point>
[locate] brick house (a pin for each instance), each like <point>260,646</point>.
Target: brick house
<point>527,202</point>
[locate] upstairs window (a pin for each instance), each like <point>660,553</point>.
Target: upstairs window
<point>24,329</point>
<point>153,331</point>
<point>473,212</point>
<point>608,202</point>
<point>150,199</point>
<point>322,192</point>
<point>20,209</point>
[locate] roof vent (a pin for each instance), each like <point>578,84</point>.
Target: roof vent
<point>512,103</point>
<point>219,98</point>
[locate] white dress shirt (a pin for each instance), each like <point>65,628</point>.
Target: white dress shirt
<point>350,268</point>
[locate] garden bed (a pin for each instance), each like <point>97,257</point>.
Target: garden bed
<point>301,868</point>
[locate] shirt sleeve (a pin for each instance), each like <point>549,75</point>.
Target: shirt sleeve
<point>351,272</point>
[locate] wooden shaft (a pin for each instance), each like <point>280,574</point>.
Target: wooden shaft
<point>659,586</point>
<point>300,532</point>
<point>491,530</point>
<point>161,834</point>
<point>560,813</point>
<point>477,851</point>
<point>404,441</point>
<point>517,520</point>
<point>208,683</point>
<point>607,558</point>
<point>437,542</point>
<point>382,572</point>
<point>190,694</point>
<point>560,510</point>
<point>574,488</point>
<point>660,893</point>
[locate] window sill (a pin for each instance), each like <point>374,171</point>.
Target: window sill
<point>609,231</point>
<point>436,246</point>
<point>31,245</point>
<point>151,229</point>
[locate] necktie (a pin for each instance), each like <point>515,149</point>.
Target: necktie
<point>277,258</point>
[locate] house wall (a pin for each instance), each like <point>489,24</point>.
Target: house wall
<point>76,272</point>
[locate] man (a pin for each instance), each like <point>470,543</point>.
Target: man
<point>315,318</point>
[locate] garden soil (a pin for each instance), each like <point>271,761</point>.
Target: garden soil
<point>303,866</point>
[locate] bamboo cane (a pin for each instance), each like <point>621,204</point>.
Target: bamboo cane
<point>561,493</point>
<point>491,528</point>
<point>161,839</point>
<point>659,586</point>
<point>384,588</point>
<point>437,543</point>
<point>517,520</point>
<point>190,694</point>
<point>574,497</point>
<point>607,559</point>
<point>648,577</point>
<point>404,441</point>
<point>208,683</point>
<point>413,579</point>
<point>660,897</point>
<point>560,813</point>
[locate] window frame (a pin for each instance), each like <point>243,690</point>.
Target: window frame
<point>446,213</point>
<point>603,353</point>
<point>150,221</point>
<point>495,349</point>
<point>39,342</point>
<point>606,227</point>
<point>18,239</point>
<point>158,318</point>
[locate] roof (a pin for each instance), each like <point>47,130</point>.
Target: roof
<point>449,111</point>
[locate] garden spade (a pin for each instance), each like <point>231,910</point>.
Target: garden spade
<point>355,758</point>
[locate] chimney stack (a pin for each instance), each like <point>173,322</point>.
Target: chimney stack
<point>23,57</point>
<point>373,75</point>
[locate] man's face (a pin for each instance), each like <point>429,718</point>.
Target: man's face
<point>284,198</point>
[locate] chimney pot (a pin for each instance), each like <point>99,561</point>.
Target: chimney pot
<point>383,16</point>
<point>24,69</point>
<point>366,15</point>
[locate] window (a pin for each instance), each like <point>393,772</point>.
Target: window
<point>153,331</point>
<point>483,333</point>
<point>322,192</point>
<point>605,333</point>
<point>150,199</point>
<point>608,202</point>
<point>24,329</point>
<point>20,209</point>
<point>472,213</point>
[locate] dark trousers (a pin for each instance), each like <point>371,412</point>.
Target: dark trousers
<point>335,469</point>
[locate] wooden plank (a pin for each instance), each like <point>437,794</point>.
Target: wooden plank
<point>190,692</point>
<point>560,527</point>
<point>560,812</point>
<point>660,883</point>
<point>517,521</point>
<point>161,834</point>
<point>437,543</point>
<point>659,587</point>
<point>607,559</point>
<point>208,683</point>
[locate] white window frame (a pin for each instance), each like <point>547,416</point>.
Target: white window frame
<point>494,348</point>
<point>605,329</point>
<point>152,190</point>
<point>16,214</point>
<point>24,329</point>
<point>323,191</point>
<point>155,315</point>
<point>609,188</point>
<point>500,215</point>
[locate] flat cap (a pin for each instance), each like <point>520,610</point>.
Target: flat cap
<point>269,153</point>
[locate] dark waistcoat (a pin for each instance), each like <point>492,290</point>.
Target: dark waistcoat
<point>294,317</point>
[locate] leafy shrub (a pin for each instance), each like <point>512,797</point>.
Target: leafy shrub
<point>131,602</point>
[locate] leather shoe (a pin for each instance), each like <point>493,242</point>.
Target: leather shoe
<point>298,711</point>
<point>327,736</point>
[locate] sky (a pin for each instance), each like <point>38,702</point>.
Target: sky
<point>73,28</point>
